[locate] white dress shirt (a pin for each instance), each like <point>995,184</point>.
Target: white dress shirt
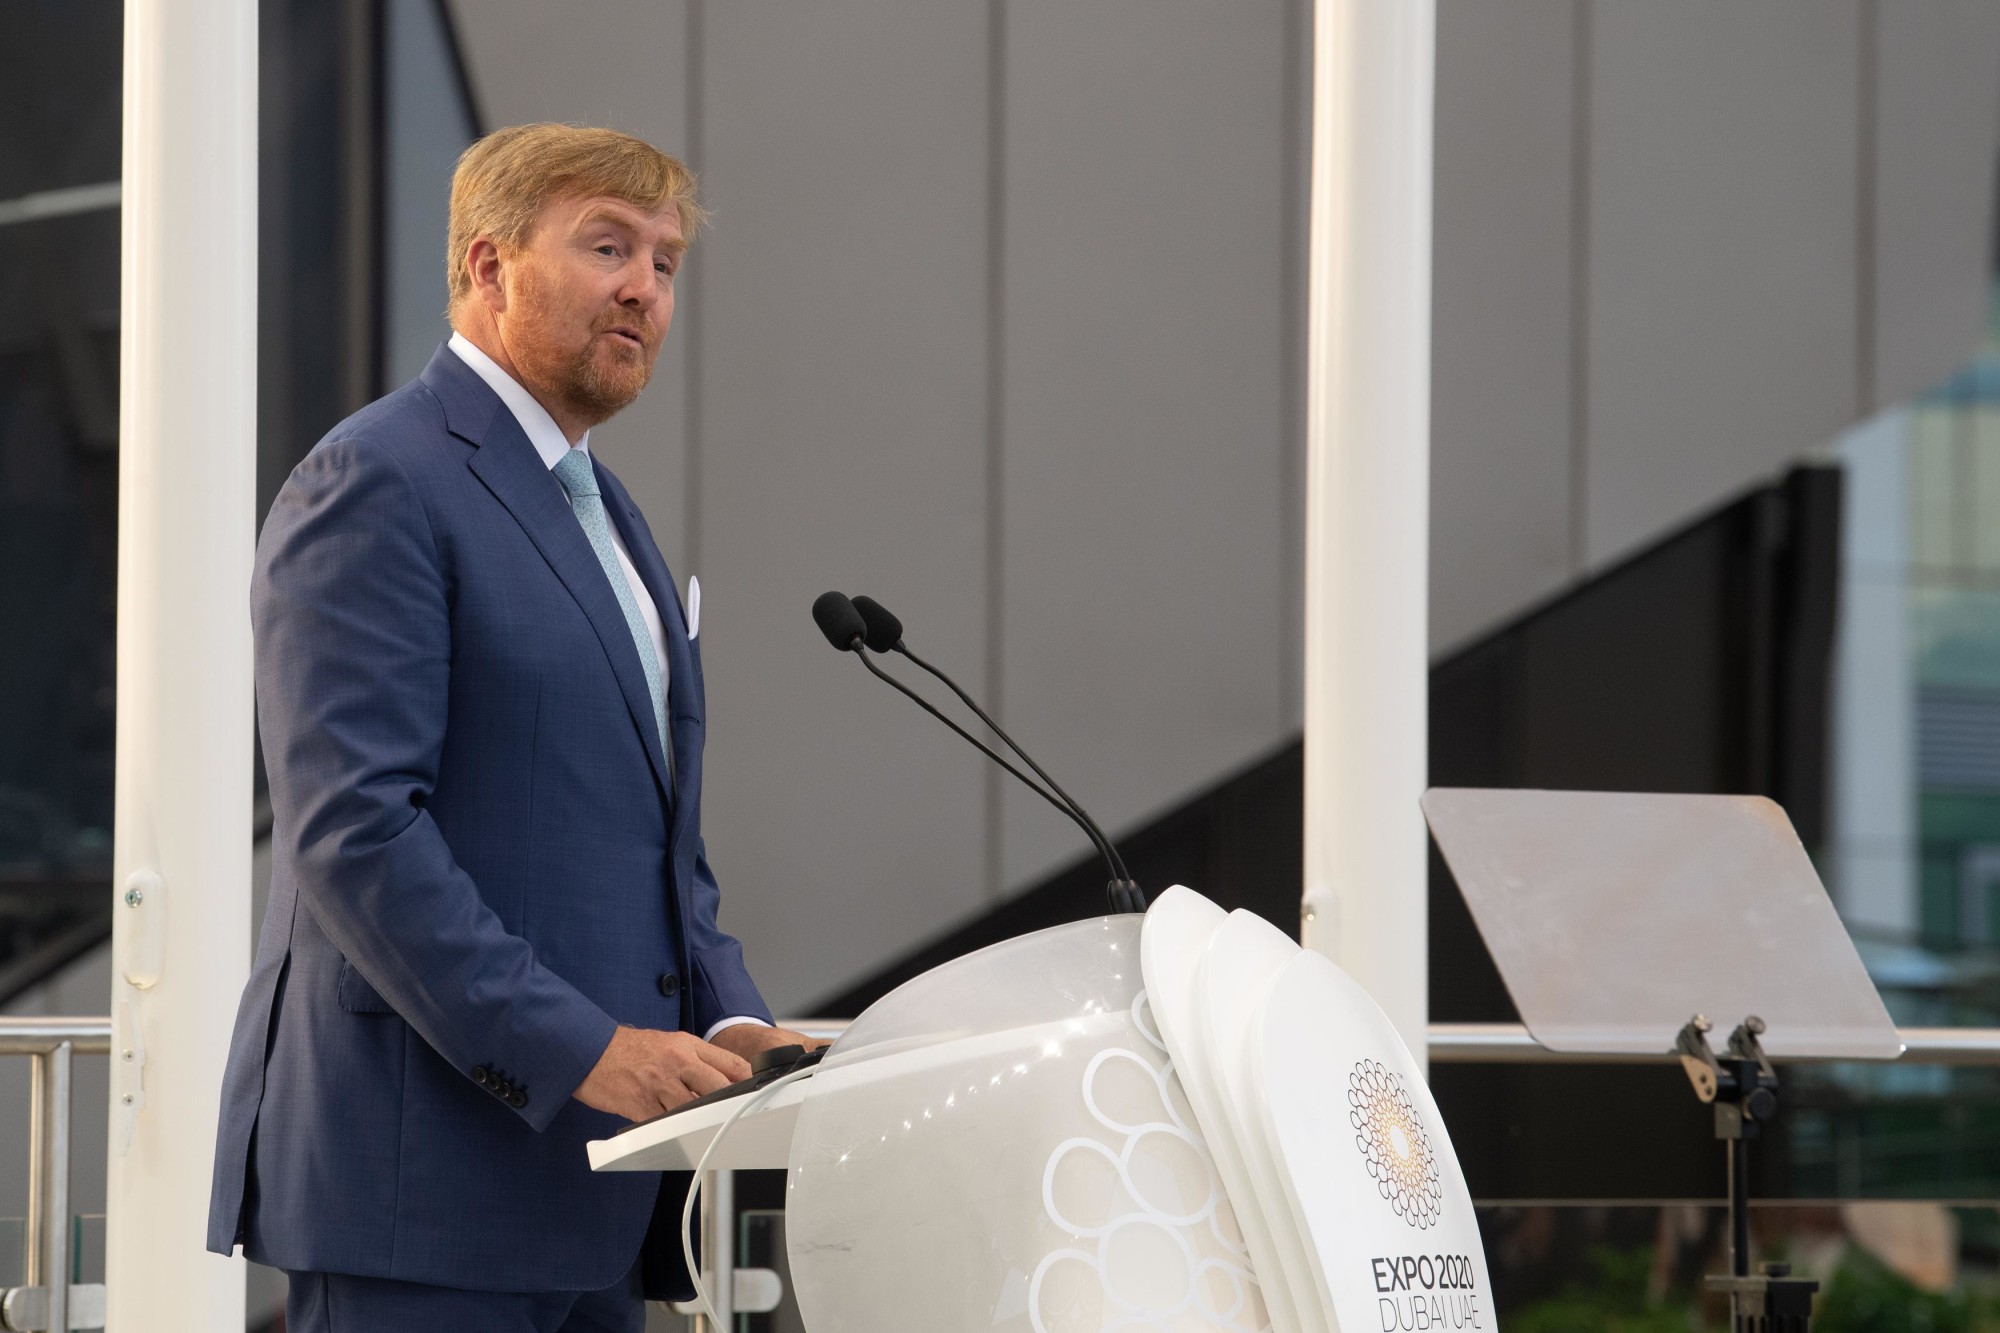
<point>547,437</point>
<point>550,443</point>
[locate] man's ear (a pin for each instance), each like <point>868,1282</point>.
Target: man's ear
<point>485,266</point>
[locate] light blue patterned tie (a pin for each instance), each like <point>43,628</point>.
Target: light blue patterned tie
<point>578,478</point>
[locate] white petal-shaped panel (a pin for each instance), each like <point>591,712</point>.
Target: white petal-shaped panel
<point>1366,1164</point>
<point>1179,925</point>
<point>1241,960</point>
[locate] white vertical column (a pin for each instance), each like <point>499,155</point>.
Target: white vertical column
<point>187,500</point>
<point>1368,498</point>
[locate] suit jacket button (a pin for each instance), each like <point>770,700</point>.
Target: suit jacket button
<point>481,1076</point>
<point>517,1099</point>
<point>670,985</point>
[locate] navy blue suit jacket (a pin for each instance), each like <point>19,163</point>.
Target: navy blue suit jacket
<point>478,862</point>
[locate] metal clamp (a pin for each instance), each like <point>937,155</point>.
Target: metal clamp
<point>756,1290</point>
<point>27,1308</point>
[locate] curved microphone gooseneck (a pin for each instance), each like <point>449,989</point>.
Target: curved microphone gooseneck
<point>885,634</point>
<point>844,628</point>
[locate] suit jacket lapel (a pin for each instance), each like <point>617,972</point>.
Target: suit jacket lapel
<point>652,566</point>
<point>509,466</point>
<point>684,705</point>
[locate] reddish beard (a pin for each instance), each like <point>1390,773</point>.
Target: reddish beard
<point>595,387</point>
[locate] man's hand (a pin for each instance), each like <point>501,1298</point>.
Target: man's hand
<point>643,1073</point>
<point>750,1039</point>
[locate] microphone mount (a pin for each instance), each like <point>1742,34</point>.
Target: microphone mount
<point>1123,892</point>
<point>841,619</point>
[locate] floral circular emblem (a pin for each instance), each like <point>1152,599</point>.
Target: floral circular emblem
<point>1393,1144</point>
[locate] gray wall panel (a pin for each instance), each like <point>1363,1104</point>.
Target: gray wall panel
<point>1135,610</point>
<point>1721,309</point>
<point>1938,125</point>
<point>1145,432</point>
<point>621,63</point>
<point>1501,312</point>
<point>842,446</point>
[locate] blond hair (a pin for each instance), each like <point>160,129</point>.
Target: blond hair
<point>503,180</point>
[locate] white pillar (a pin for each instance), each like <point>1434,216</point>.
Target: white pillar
<point>186,508</point>
<point>1368,498</point>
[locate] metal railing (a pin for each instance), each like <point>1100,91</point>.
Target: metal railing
<point>50,1301</point>
<point>1449,1043</point>
<point>1510,1044</point>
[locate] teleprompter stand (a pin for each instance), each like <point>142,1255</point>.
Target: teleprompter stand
<point>1612,915</point>
<point>1743,1089</point>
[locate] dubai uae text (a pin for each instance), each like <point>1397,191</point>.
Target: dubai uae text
<point>1440,1292</point>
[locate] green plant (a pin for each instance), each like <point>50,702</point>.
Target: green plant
<point>1611,1300</point>
<point>1864,1296</point>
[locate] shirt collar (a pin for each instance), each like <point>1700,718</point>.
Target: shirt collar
<point>540,427</point>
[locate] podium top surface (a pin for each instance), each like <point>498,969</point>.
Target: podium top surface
<point>760,1141</point>
<point>1614,917</point>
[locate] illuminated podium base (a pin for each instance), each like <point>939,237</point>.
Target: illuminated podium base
<point>1180,1121</point>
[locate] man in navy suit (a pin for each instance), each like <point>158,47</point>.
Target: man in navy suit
<point>492,927</point>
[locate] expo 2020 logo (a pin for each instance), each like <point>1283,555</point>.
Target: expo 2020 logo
<point>1393,1144</point>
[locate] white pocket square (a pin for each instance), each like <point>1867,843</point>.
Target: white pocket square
<point>694,606</point>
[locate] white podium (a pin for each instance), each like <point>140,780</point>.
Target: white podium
<point>1179,1121</point>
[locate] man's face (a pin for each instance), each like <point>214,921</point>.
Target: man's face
<point>589,300</point>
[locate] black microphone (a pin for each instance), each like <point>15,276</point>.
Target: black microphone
<point>845,628</point>
<point>838,619</point>
<point>883,633</point>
